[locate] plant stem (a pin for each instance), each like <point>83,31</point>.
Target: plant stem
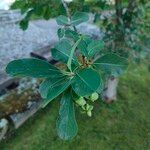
<point>71,54</point>
<point>68,13</point>
<point>66,8</point>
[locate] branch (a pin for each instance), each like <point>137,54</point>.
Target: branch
<point>119,33</point>
<point>67,9</point>
<point>68,13</point>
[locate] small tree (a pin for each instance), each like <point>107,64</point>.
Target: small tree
<point>88,63</point>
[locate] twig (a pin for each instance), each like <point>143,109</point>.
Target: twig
<point>66,8</point>
<point>68,13</point>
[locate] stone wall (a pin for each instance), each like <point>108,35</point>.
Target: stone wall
<point>9,16</point>
<point>16,43</point>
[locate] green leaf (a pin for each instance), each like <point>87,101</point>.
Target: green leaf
<point>62,20</point>
<point>38,9</point>
<point>79,17</point>
<point>66,124</point>
<point>47,13</point>
<point>24,24</point>
<point>61,33</point>
<point>86,82</point>
<point>112,64</point>
<point>62,50</point>
<point>53,87</point>
<point>82,46</point>
<point>71,34</point>
<point>32,67</point>
<point>94,47</point>
<point>69,63</point>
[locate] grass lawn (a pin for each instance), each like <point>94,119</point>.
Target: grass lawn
<point>123,125</point>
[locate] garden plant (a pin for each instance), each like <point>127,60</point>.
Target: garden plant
<point>87,69</point>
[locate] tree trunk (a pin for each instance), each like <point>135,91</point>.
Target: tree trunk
<point>119,11</point>
<point>110,91</point>
<point>129,13</point>
<point>3,128</point>
<point>118,5</point>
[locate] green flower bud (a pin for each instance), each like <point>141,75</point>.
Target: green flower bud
<point>94,97</point>
<point>89,113</point>
<point>81,101</point>
<point>89,107</point>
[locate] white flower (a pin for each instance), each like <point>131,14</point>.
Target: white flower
<point>68,1</point>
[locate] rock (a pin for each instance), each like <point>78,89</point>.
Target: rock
<point>9,17</point>
<point>19,118</point>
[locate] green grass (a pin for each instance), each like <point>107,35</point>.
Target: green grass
<point>123,125</point>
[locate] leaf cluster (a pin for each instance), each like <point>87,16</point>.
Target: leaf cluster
<point>84,62</point>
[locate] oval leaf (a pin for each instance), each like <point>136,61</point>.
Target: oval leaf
<point>94,47</point>
<point>62,20</point>
<point>86,82</point>
<point>53,87</point>
<point>32,67</point>
<point>79,17</point>
<point>62,51</point>
<point>66,123</point>
<point>112,64</point>
<point>83,45</point>
<point>61,33</point>
<point>71,34</point>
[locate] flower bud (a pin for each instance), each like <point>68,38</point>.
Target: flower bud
<point>94,97</point>
<point>81,101</point>
<point>89,109</point>
<point>89,113</point>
